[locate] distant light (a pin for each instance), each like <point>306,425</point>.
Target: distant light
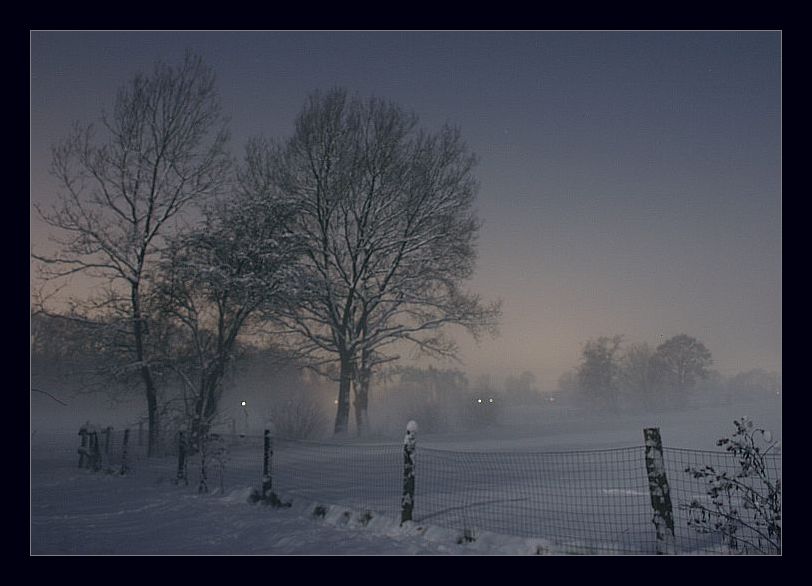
<point>479,400</point>
<point>552,399</point>
<point>490,400</point>
<point>242,403</point>
<point>335,402</point>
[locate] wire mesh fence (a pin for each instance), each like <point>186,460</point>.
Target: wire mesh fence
<point>596,501</point>
<point>362,476</point>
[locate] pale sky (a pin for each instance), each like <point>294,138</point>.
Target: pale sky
<point>630,181</point>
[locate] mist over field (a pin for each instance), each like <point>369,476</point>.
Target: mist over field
<point>546,420</point>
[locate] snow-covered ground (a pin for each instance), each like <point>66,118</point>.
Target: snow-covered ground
<point>75,511</point>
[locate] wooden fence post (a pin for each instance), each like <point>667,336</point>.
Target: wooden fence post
<point>202,445</point>
<point>266,495</point>
<point>84,455</point>
<point>181,477</point>
<point>124,443</point>
<point>107,431</point>
<point>267,455</point>
<point>660,492</point>
<point>407,500</point>
<point>95,451</point>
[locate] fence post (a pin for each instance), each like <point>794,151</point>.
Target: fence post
<point>181,477</point>
<point>84,456</point>
<point>124,443</point>
<point>407,500</point>
<point>106,431</point>
<point>95,451</point>
<point>140,433</point>
<point>660,492</point>
<point>267,455</point>
<point>203,440</point>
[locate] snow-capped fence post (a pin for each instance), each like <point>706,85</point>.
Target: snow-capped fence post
<point>124,443</point>
<point>84,455</point>
<point>265,494</point>
<point>660,492</point>
<point>407,500</point>
<point>181,476</point>
<point>267,455</point>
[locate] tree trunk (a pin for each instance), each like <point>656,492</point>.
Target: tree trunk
<point>362,402</point>
<point>343,410</point>
<point>204,410</point>
<point>152,413</point>
<point>146,373</point>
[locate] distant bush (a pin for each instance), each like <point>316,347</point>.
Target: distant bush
<point>299,416</point>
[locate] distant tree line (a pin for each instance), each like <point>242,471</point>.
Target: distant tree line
<point>612,376</point>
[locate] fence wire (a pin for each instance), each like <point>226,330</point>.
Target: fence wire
<point>595,501</point>
<point>362,476</point>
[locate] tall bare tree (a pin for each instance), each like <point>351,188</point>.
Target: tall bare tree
<point>124,187</point>
<point>386,212</point>
<point>215,280</point>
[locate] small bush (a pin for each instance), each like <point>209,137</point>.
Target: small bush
<point>745,507</point>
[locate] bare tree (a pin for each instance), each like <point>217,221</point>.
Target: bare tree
<point>160,149</point>
<point>215,280</point>
<point>386,213</point>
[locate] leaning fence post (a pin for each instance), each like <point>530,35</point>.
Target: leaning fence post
<point>407,500</point>
<point>181,477</point>
<point>124,443</point>
<point>660,492</point>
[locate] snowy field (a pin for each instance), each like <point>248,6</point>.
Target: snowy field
<point>75,511</point>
